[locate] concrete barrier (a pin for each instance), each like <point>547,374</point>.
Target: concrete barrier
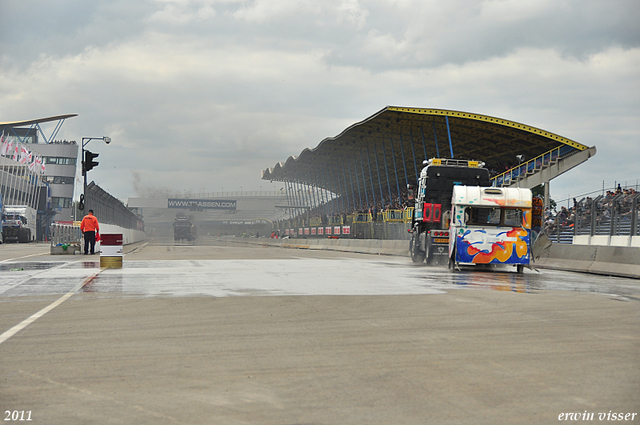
<point>129,235</point>
<point>605,260</point>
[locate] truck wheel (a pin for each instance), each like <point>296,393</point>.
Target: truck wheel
<point>452,261</point>
<point>417,254</point>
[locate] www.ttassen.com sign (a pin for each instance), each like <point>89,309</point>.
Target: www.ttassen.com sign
<point>211,204</point>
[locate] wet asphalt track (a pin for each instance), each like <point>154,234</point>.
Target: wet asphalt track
<point>556,341</point>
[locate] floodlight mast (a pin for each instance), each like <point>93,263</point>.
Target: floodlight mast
<point>88,164</point>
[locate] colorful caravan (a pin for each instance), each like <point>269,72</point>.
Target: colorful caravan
<point>490,226</point>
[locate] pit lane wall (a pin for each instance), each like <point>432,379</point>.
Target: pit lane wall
<point>66,239</point>
<point>605,260</point>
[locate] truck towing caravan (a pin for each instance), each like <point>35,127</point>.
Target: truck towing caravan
<point>431,214</point>
<point>490,225</point>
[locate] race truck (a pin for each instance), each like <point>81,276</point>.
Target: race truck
<point>490,226</point>
<point>18,223</point>
<point>183,229</point>
<point>432,211</point>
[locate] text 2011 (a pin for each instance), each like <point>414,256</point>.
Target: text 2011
<point>17,415</point>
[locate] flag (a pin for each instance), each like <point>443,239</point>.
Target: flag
<point>16,152</point>
<point>5,144</point>
<point>24,155</point>
<point>38,165</point>
<point>9,150</point>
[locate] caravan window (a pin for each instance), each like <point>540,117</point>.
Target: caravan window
<point>484,215</point>
<point>513,217</point>
<point>494,216</point>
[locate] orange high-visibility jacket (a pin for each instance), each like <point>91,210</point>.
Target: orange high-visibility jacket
<point>89,224</point>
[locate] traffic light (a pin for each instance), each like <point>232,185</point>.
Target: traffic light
<point>89,162</point>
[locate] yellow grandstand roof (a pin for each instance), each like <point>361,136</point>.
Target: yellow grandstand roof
<point>403,133</point>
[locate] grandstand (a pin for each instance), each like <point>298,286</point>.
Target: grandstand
<point>371,162</point>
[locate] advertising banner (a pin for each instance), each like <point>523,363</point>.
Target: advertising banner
<point>320,230</point>
<point>306,231</point>
<point>206,204</point>
<point>300,231</point>
<point>327,230</point>
<point>336,230</point>
<point>346,230</point>
<point>313,231</point>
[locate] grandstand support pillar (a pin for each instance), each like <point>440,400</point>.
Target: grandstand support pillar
<point>337,188</point>
<point>355,169</point>
<point>323,191</point>
<point>424,147</point>
<point>546,195</point>
<point>449,134</point>
<point>375,152</point>
<point>404,163</point>
<point>413,151</point>
<point>435,137</point>
<point>327,184</point>
<point>286,192</point>
<point>346,187</point>
<point>364,181</point>
<point>313,194</point>
<point>373,189</point>
<point>298,192</point>
<point>386,169</point>
<point>353,191</point>
<point>395,169</point>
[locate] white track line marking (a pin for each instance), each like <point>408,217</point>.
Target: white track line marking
<point>24,256</point>
<point>26,322</point>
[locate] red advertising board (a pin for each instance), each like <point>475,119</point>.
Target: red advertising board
<point>346,230</point>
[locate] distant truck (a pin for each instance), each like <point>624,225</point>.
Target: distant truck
<point>183,229</point>
<point>490,225</point>
<point>431,214</point>
<point>18,223</point>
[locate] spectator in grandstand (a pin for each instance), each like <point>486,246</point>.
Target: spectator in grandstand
<point>89,228</point>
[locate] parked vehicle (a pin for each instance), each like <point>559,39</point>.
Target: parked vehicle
<point>18,223</point>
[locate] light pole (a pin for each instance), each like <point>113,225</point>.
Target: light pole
<point>88,163</point>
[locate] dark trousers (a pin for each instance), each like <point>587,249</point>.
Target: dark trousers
<point>89,240</point>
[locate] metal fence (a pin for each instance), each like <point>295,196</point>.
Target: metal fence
<point>616,215</point>
<point>65,234</point>
<point>388,225</point>
<point>110,210</point>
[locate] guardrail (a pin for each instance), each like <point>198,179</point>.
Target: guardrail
<point>531,167</point>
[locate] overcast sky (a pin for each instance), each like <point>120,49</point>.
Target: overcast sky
<point>201,95</point>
